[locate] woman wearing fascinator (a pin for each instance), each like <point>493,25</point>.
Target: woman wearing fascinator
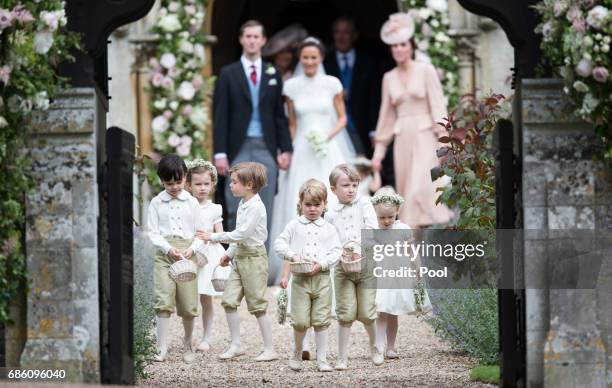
<point>317,119</point>
<point>412,104</point>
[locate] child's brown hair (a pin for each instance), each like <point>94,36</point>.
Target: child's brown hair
<point>340,169</point>
<point>251,172</point>
<point>314,189</point>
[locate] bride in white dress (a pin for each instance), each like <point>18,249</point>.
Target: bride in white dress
<point>315,109</point>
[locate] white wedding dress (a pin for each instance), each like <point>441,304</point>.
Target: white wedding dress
<point>312,99</point>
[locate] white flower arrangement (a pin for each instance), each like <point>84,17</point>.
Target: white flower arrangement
<point>318,142</point>
<point>191,164</point>
<point>179,93</point>
<point>387,198</point>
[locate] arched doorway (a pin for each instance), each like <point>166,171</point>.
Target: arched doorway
<point>316,16</point>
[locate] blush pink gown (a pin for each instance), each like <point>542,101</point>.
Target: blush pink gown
<point>409,112</point>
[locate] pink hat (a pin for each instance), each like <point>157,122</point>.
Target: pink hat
<point>399,28</point>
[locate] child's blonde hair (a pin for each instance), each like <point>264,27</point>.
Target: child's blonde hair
<point>251,172</point>
<point>340,169</point>
<point>314,189</point>
<point>387,197</point>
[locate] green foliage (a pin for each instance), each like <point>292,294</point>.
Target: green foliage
<point>33,43</point>
<point>486,373</point>
<point>576,40</point>
<point>468,320</point>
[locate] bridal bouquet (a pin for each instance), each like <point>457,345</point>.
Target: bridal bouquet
<point>318,142</point>
<point>281,302</point>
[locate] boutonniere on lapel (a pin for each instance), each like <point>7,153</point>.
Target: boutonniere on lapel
<point>270,70</point>
<point>272,82</point>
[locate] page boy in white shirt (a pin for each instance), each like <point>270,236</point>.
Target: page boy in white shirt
<point>249,276</point>
<point>172,226</point>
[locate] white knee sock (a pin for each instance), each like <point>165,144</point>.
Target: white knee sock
<point>233,321</point>
<point>344,333</point>
<point>381,331</point>
<point>207,317</point>
<point>371,329</point>
<point>308,339</point>
<point>265,326</point>
<point>321,341</point>
<point>391,331</point>
<point>162,334</point>
<point>299,337</point>
<point>188,326</point>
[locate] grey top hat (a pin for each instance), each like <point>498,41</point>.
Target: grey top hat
<point>287,38</point>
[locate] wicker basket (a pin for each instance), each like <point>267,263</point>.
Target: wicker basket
<point>218,283</point>
<point>183,271</point>
<point>349,260</point>
<point>298,267</point>
<point>201,259</point>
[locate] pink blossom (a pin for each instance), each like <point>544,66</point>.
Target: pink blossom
<point>154,64</point>
<point>183,150</point>
<point>6,18</point>
<point>167,82</point>
<point>186,140</point>
<point>426,30</point>
<point>5,74</point>
<point>197,82</point>
<point>157,79</point>
<point>573,14</point>
<point>23,16</point>
<point>559,7</point>
<point>174,140</point>
<point>51,19</point>
<point>579,24</point>
<point>600,74</point>
<point>168,114</point>
<point>187,109</point>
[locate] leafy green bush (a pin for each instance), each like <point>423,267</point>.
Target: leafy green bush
<point>486,373</point>
<point>467,319</point>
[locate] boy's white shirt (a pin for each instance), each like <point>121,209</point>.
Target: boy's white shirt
<point>251,226</point>
<point>350,218</point>
<point>316,239</point>
<point>173,216</point>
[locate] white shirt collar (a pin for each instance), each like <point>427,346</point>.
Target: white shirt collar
<point>183,196</point>
<point>350,55</point>
<point>318,222</point>
<point>246,64</point>
<point>246,204</point>
<point>339,206</point>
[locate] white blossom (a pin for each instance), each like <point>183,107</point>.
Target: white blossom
<point>174,105</point>
<point>198,117</point>
<point>174,140</point>
<point>596,16</point>
<point>41,100</point>
<point>160,124</point>
<point>437,5</point>
<point>186,47</point>
<point>584,67</point>
<point>43,41</point>
<point>580,87</point>
<point>174,6</point>
<point>168,60</point>
<point>169,23</point>
<point>183,150</point>
<point>160,104</point>
<point>186,91</point>
<point>199,51</point>
<point>3,122</point>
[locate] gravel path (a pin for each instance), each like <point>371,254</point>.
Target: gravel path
<point>424,360</point>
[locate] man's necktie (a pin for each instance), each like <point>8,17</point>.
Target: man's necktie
<point>253,75</point>
<point>345,72</point>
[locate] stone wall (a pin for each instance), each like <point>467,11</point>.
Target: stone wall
<point>62,237</point>
<point>567,208</point>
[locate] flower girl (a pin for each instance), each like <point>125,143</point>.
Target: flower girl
<point>392,302</point>
<point>201,182</point>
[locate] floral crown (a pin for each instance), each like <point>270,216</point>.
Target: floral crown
<point>191,164</point>
<point>392,198</point>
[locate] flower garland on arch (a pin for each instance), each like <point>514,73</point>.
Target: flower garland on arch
<point>33,43</point>
<point>576,39</point>
<point>179,93</point>
<point>434,43</point>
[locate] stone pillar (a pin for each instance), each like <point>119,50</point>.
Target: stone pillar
<point>62,236</point>
<point>567,207</point>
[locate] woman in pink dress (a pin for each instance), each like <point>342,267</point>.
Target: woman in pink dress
<point>412,105</point>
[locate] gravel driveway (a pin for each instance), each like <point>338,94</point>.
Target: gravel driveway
<point>424,360</point>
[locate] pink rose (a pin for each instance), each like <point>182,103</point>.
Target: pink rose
<point>23,16</point>
<point>600,74</point>
<point>186,140</point>
<point>168,114</point>
<point>157,79</point>
<point>187,109</point>
<point>579,24</point>
<point>183,150</point>
<point>559,8</point>
<point>5,74</point>
<point>197,82</point>
<point>573,14</point>
<point>167,82</point>
<point>174,140</point>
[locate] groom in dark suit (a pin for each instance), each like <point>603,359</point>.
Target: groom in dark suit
<point>361,82</point>
<point>249,117</point>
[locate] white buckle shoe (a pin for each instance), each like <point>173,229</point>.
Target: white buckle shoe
<point>295,362</point>
<point>323,366</point>
<point>267,356</point>
<point>230,353</point>
<point>341,365</point>
<point>203,346</point>
<point>377,356</point>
